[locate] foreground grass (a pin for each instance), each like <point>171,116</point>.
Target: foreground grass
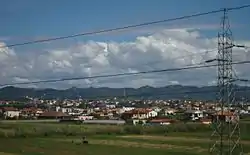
<point>107,144</point>
<point>189,143</point>
<point>52,146</point>
<point>51,138</point>
<point>8,130</point>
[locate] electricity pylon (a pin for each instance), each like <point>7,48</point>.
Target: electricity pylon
<point>226,130</point>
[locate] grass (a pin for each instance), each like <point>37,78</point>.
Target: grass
<point>58,146</point>
<point>106,144</point>
<point>47,129</point>
<point>195,142</point>
<point>50,138</point>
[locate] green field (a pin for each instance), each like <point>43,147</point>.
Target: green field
<point>62,139</point>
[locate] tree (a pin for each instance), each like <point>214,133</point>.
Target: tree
<point>140,122</point>
<point>162,112</point>
<point>125,116</point>
<point>82,105</point>
<point>182,117</point>
<point>1,115</point>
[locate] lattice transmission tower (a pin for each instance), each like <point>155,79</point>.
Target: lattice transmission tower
<point>226,131</point>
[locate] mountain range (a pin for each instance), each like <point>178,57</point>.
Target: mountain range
<point>145,92</point>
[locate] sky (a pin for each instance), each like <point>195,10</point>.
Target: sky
<point>160,46</point>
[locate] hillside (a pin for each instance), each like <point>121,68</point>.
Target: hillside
<point>146,92</point>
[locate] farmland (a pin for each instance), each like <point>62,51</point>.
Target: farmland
<point>52,138</point>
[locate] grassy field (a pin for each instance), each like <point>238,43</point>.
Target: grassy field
<point>56,146</point>
<point>46,138</point>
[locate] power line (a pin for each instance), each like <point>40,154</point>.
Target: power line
<point>122,74</point>
<point>126,27</point>
<point>237,8</point>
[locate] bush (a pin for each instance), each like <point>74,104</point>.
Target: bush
<point>41,130</point>
<point>133,130</point>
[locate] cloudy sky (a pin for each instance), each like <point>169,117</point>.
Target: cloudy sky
<point>169,45</point>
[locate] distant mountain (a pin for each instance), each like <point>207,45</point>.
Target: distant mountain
<point>146,92</point>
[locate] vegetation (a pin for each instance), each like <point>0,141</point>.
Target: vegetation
<point>59,146</point>
<point>17,129</point>
<point>48,129</point>
<point>174,91</point>
<point>146,92</point>
<point>40,138</point>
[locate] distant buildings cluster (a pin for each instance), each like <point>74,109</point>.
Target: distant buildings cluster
<point>161,112</point>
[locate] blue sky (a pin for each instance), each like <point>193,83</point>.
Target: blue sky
<point>35,19</point>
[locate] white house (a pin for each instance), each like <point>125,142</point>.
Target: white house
<point>64,110</point>
<point>111,106</point>
<point>141,113</point>
<point>31,112</point>
<point>157,109</point>
<point>152,113</point>
<point>10,112</point>
<point>125,109</point>
<point>137,121</point>
<point>195,114</point>
<point>169,111</point>
<point>84,117</point>
<point>128,108</point>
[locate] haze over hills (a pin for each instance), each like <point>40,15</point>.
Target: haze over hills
<point>145,92</point>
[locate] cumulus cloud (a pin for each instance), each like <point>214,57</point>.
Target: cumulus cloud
<point>164,49</point>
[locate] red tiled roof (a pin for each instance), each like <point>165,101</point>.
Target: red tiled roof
<point>225,113</point>
<point>9,109</point>
<point>53,114</point>
<point>31,110</point>
<point>139,111</point>
<point>161,120</point>
<point>205,120</point>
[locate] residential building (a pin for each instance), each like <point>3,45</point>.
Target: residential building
<point>140,114</point>
<point>10,112</point>
<point>194,114</point>
<point>161,121</point>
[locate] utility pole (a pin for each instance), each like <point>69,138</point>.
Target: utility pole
<point>244,97</point>
<point>124,93</point>
<point>245,94</point>
<point>226,131</point>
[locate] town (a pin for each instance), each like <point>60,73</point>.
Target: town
<point>124,77</point>
<point>117,111</point>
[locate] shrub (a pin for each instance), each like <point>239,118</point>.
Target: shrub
<point>40,130</point>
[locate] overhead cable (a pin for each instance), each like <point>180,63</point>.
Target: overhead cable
<point>125,27</point>
<point>122,74</point>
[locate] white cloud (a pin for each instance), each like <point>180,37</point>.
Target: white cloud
<point>168,48</point>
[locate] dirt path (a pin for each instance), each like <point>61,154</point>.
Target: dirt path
<point>122,143</point>
<point>163,138</point>
<point>173,138</point>
<point>3,153</point>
